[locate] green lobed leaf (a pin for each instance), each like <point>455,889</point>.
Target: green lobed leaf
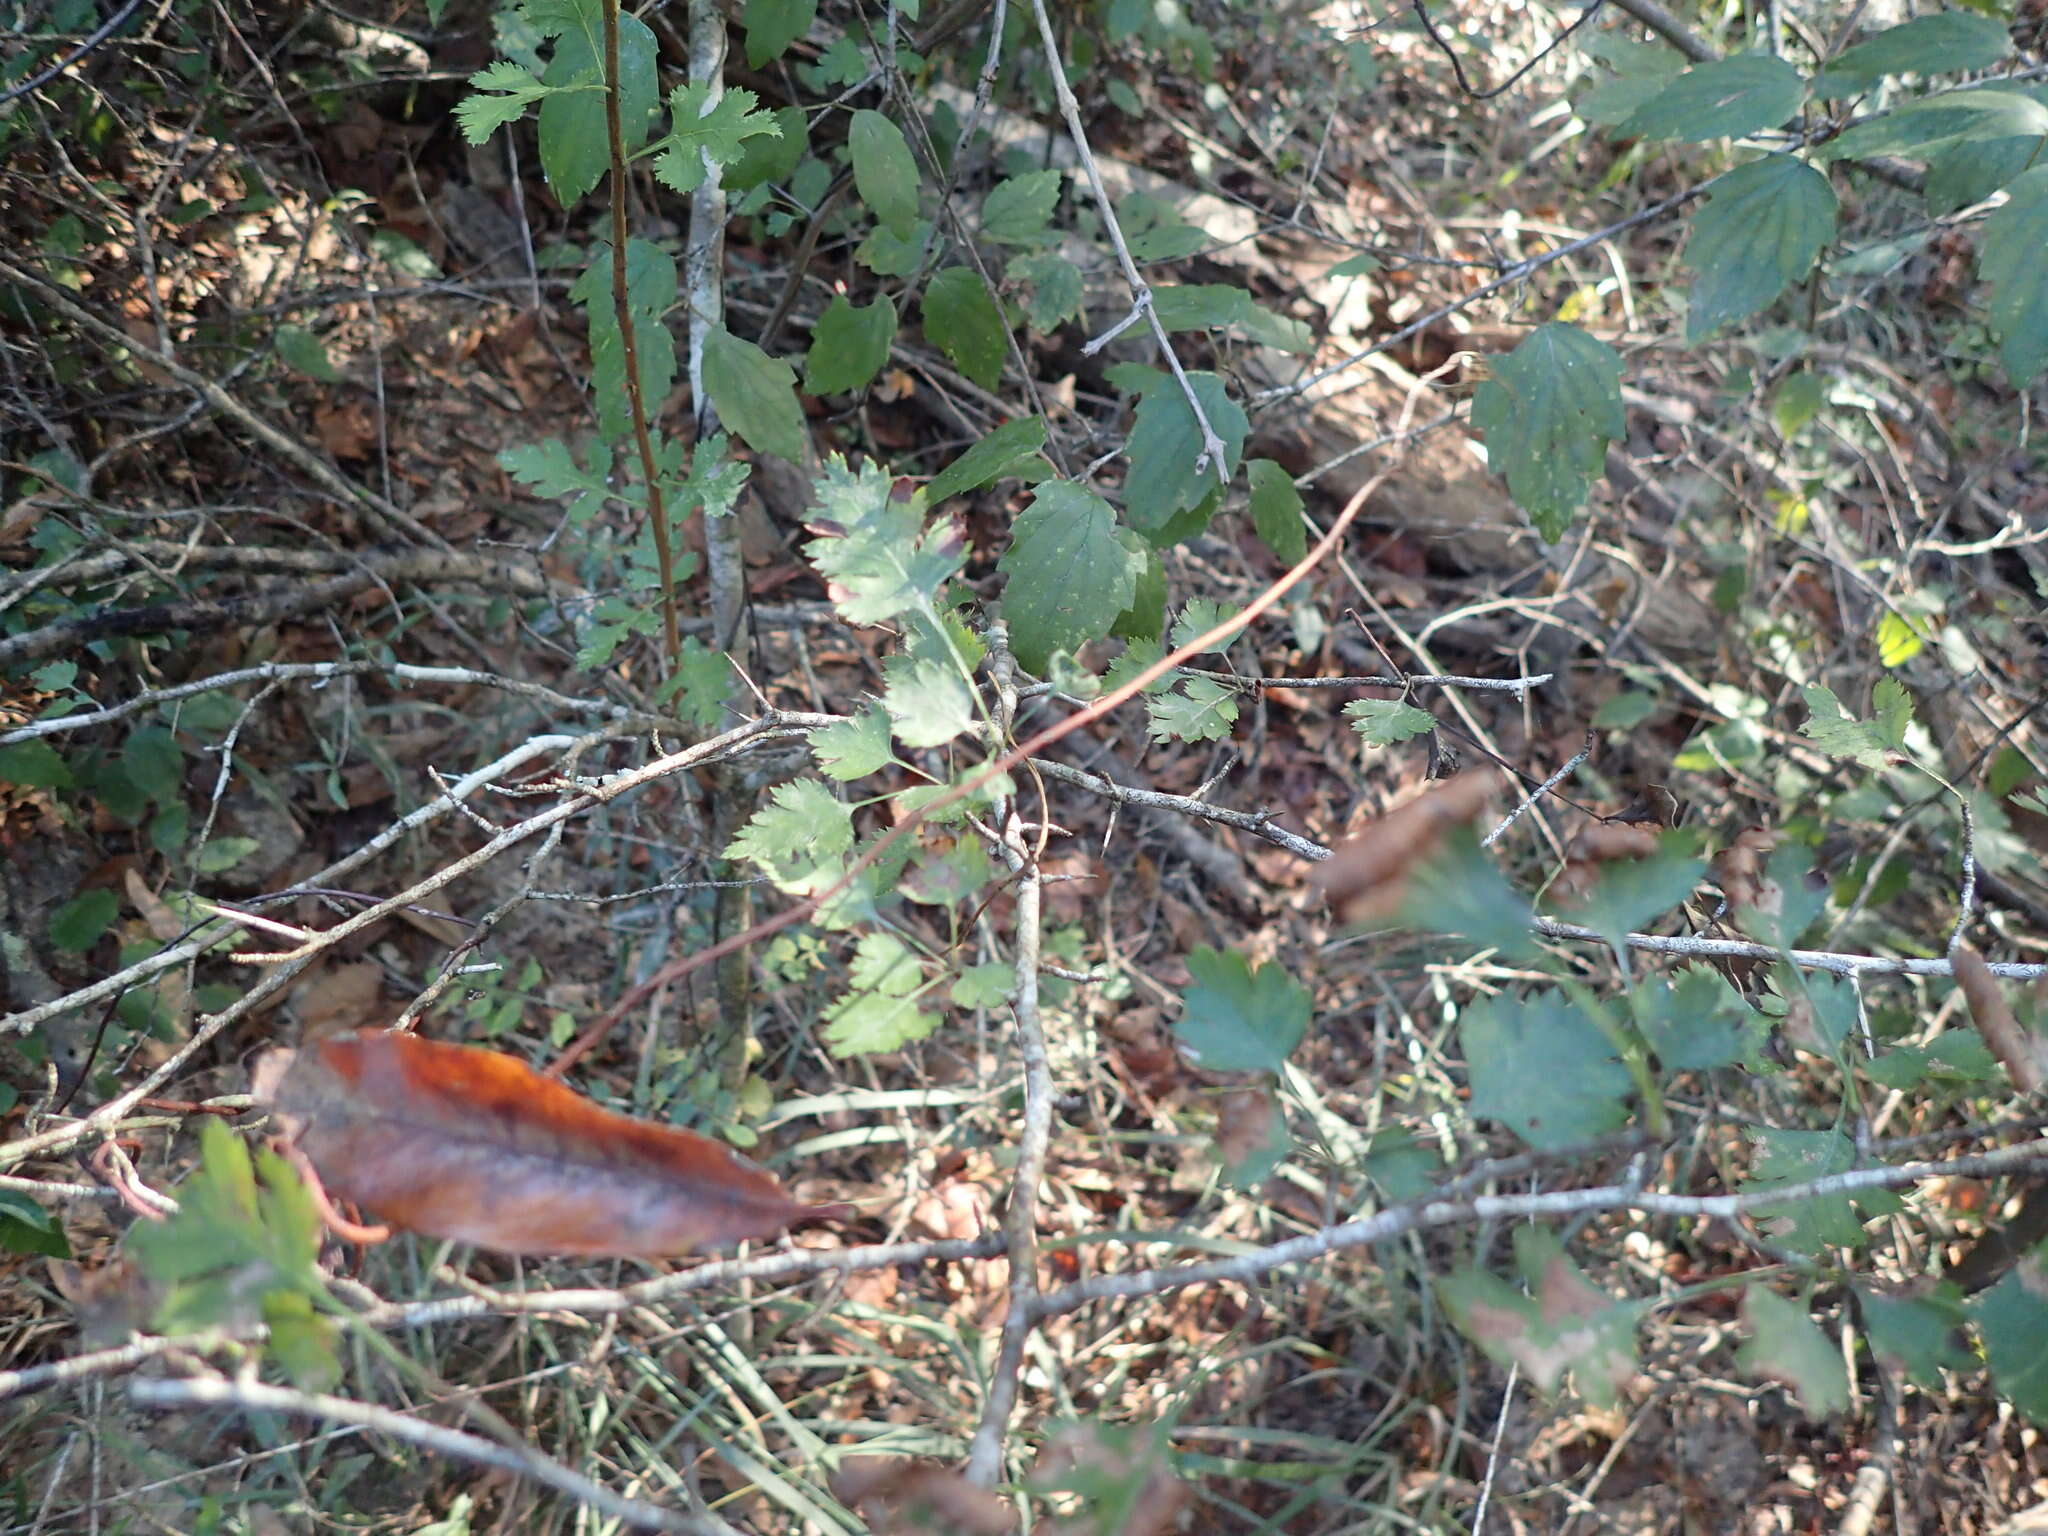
<point>1167,474</point>
<point>770,158</point>
<point>802,829</point>
<point>1786,1158</point>
<point>755,395</point>
<point>548,468</point>
<point>698,139</point>
<point>1760,230</point>
<point>1630,892</point>
<point>1054,285</point>
<point>1926,45</point>
<point>650,290</point>
<point>1840,734</point>
<point>1199,709</point>
<point>1069,574</point>
<point>884,172</point>
<point>2009,257</point>
<point>1240,1018</point>
<point>575,149</point>
<point>855,747</point>
<point>1785,1344</point>
<point>1549,411</point>
<point>963,320</point>
<point>1543,1069</point>
<point>1003,452</point>
<point>772,25</point>
<point>481,115</point>
<point>1723,98</point>
<point>849,345</point>
<point>983,986</point>
<point>883,559</point>
<point>1383,722</point>
<point>928,700</point>
<point>1695,1020</point>
<point>1276,510</point>
<point>880,1012</point>
<point>1019,210</point>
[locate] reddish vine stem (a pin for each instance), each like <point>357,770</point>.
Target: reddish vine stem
<point>629,351</point>
<point>684,965</point>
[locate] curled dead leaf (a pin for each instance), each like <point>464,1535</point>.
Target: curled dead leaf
<point>1740,870</point>
<point>472,1145</point>
<point>2016,1047</point>
<point>1366,878</point>
<point>910,1498</point>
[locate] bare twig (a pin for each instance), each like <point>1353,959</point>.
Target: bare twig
<point>1539,792</point>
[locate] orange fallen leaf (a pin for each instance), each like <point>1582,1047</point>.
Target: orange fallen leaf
<point>455,1142</point>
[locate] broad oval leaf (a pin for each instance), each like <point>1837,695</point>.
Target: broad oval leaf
<point>755,394</point>
<point>2013,255</point>
<point>1019,211</point>
<point>1167,474</point>
<point>1004,451</point>
<point>1937,122</point>
<point>849,345</point>
<point>772,25</point>
<point>1968,173</point>
<point>575,150</point>
<point>1926,45</point>
<point>884,173</point>
<point>964,321</point>
<point>1761,229</point>
<point>1069,574</point>
<point>1549,412</point>
<point>1725,98</point>
<point>1276,510</point>
<point>455,1142</point>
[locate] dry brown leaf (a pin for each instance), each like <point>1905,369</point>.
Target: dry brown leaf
<point>910,1498</point>
<point>2012,1043</point>
<point>1366,878</point>
<point>1739,869</point>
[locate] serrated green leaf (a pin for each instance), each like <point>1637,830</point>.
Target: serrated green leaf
<point>963,320</point>
<point>884,171</point>
<point>771,158</point>
<point>1168,474</point>
<point>549,469</point>
<point>1937,122</point>
<point>755,395</point>
<point>1760,230</point>
<point>1723,98</point>
<point>1201,615</point>
<point>1927,45</point>
<point>302,352</point>
<point>1237,1018</point>
<point>1199,709</point>
<point>1630,892</point>
<point>650,290</point>
<point>575,150</point>
<point>1383,722</point>
<point>698,139</point>
<point>772,25</point>
<point>1840,734</point>
<point>879,1012</point>
<point>1543,1069</point>
<point>1276,510</point>
<point>1069,574</point>
<point>802,830</point>
<point>2009,258</point>
<point>984,986</point>
<point>854,748</point>
<point>77,925</point>
<point>1968,173</point>
<point>480,115</point>
<point>1143,618</point>
<point>1919,1335</point>
<point>1055,288</point>
<point>2012,1317</point>
<point>1549,411</point>
<point>1019,210</point>
<point>884,559</point>
<point>849,345</point>
<point>699,684</point>
<point>1695,1020</point>
<point>34,765</point>
<point>1002,452</point>
<point>1792,1158</point>
<point>927,699</point>
<point>1785,1344</point>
